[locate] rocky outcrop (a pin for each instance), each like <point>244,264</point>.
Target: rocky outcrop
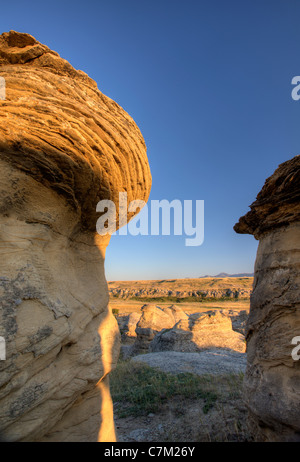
<point>272,381</point>
<point>202,331</point>
<point>127,325</point>
<point>200,295</point>
<point>152,321</point>
<point>63,147</point>
<point>176,313</point>
<point>238,320</point>
<point>59,129</point>
<point>190,289</point>
<point>277,204</point>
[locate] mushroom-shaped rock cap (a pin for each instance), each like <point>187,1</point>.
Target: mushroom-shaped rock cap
<point>277,204</point>
<point>56,126</point>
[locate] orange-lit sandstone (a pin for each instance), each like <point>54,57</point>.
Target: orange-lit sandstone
<point>63,147</point>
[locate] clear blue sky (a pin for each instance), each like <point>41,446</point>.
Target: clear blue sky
<point>209,84</point>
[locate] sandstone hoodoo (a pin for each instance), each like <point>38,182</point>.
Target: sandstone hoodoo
<point>272,380</point>
<point>201,331</point>
<point>63,147</point>
<point>152,321</point>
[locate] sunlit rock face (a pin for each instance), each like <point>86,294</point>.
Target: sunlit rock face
<point>210,330</point>
<point>152,321</point>
<point>272,381</point>
<point>63,147</point>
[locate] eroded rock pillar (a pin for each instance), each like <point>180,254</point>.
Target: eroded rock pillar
<point>272,381</point>
<point>64,146</point>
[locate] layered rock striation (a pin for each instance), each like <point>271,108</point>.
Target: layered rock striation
<point>272,381</point>
<point>64,146</point>
<point>204,294</point>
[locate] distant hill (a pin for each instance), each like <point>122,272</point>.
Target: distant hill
<point>226,275</point>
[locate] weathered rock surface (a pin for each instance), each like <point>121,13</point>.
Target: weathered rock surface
<point>176,313</point>
<point>152,321</point>
<point>277,204</point>
<point>202,331</point>
<point>238,320</point>
<point>127,325</point>
<point>63,147</point>
<point>61,130</point>
<point>272,381</point>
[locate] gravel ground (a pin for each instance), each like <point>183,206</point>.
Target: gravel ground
<point>207,362</point>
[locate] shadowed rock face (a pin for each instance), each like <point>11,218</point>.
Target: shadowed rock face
<point>201,331</point>
<point>272,381</point>
<point>152,321</point>
<point>63,147</point>
<point>277,204</point>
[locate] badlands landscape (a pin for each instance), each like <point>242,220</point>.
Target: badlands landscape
<point>182,290</point>
<point>171,360</point>
<point>183,342</point>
